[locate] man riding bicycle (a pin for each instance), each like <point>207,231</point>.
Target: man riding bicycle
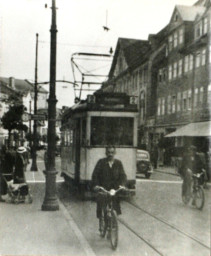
<point>109,174</point>
<point>191,164</point>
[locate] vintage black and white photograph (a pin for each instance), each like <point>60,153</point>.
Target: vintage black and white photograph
<point>105,127</point>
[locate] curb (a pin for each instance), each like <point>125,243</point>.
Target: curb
<point>84,243</point>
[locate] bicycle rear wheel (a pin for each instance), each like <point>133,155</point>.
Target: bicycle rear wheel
<point>103,224</point>
<point>199,198</point>
<point>113,230</point>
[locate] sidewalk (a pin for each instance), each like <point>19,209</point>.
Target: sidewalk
<point>27,230</point>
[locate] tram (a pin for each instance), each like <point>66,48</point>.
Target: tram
<point>92,124</point>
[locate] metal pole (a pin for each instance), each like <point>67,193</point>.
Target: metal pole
<point>50,201</point>
<point>34,154</point>
<point>30,126</point>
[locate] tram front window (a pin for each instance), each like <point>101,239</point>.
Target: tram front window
<point>116,131</point>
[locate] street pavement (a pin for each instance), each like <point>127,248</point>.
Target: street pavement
<point>27,230</point>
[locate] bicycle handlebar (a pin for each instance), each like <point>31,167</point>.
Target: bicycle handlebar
<point>198,175</point>
<point>111,192</point>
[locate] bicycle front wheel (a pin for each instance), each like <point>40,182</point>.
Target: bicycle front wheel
<point>185,196</point>
<point>103,224</point>
<point>113,230</point>
<point>199,198</point>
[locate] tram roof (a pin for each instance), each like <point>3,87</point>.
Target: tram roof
<point>118,102</point>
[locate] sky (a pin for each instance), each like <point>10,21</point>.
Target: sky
<point>80,29</point>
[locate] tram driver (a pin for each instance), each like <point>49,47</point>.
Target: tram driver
<point>109,174</point>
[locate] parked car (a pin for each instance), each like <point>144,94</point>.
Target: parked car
<point>143,163</point>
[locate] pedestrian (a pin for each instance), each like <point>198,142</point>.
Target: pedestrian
<point>26,158</point>
<point>109,174</point>
<point>155,156</point>
<point>3,184</point>
<point>19,176</point>
<point>191,164</point>
<point>208,162</point>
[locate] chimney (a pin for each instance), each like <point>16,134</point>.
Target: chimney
<point>12,82</point>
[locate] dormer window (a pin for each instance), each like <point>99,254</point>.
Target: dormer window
<point>176,17</point>
<point>201,27</point>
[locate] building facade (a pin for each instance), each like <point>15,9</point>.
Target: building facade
<point>170,75</point>
<point>25,91</point>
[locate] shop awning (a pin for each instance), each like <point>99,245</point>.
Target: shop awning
<point>199,129</point>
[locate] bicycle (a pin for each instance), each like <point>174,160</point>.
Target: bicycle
<point>108,222</point>
<point>197,192</point>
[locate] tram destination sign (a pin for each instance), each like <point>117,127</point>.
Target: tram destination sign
<point>111,100</point>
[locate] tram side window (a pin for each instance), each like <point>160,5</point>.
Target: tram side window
<point>112,130</point>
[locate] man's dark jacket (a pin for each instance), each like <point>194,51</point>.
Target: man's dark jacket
<point>109,177</point>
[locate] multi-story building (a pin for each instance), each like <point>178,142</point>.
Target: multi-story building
<point>5,93</point>
<point>170,75</point>
<point>25,90</point>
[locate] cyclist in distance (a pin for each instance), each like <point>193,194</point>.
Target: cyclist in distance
<point>191,164</point>
<point>109,174</point>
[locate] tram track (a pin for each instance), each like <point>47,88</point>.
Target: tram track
<point>140,237</point>
<point>162,221</point>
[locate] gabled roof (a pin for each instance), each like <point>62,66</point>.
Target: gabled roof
<point>4,88</point>
<point>189,13</point>
<point>202,2</point>
<point>133,50</point>
<point>23,86</point>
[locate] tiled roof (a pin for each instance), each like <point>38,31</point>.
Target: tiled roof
<point>189,13</point>
<point>133,50</point>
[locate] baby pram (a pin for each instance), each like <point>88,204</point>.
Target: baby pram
<point>18,193</point>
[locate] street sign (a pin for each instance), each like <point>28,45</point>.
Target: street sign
<point>39,117</point>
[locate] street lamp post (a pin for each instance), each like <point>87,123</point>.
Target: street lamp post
<point>34,153</point>
<point>30,125</point>
<point>50,201</point>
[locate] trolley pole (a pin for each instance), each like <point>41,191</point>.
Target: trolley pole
<point>34,152</point>
<point>51,201</point>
